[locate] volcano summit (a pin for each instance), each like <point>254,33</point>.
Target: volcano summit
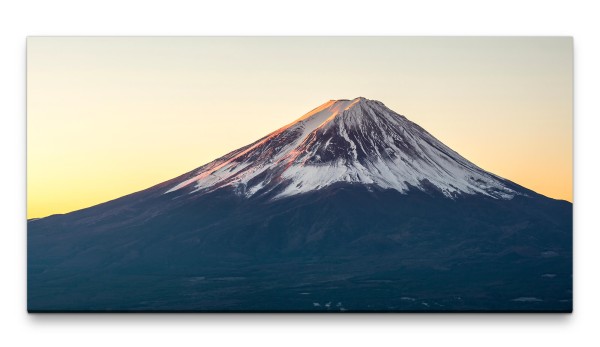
<point>356,141</point>
<point>352,207</point>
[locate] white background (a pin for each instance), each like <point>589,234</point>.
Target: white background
<point>19,19</point>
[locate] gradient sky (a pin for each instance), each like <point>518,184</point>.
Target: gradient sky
<point>110,116</point>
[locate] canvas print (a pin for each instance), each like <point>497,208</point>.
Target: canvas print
<point>299,174</point>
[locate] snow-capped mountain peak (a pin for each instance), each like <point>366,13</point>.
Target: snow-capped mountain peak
<point>358,141</point>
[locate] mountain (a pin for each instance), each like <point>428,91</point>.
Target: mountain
<point>352,207</point>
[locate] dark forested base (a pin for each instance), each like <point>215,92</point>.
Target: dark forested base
<point>342,249</point>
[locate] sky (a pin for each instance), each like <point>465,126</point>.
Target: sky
<point>109,116</point>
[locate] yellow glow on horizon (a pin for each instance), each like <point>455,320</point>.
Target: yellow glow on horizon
<point>108,117</point>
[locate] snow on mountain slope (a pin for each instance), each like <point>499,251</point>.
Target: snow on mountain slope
<point>358,141</point>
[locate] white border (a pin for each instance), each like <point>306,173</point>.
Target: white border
<point>19,19</point>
